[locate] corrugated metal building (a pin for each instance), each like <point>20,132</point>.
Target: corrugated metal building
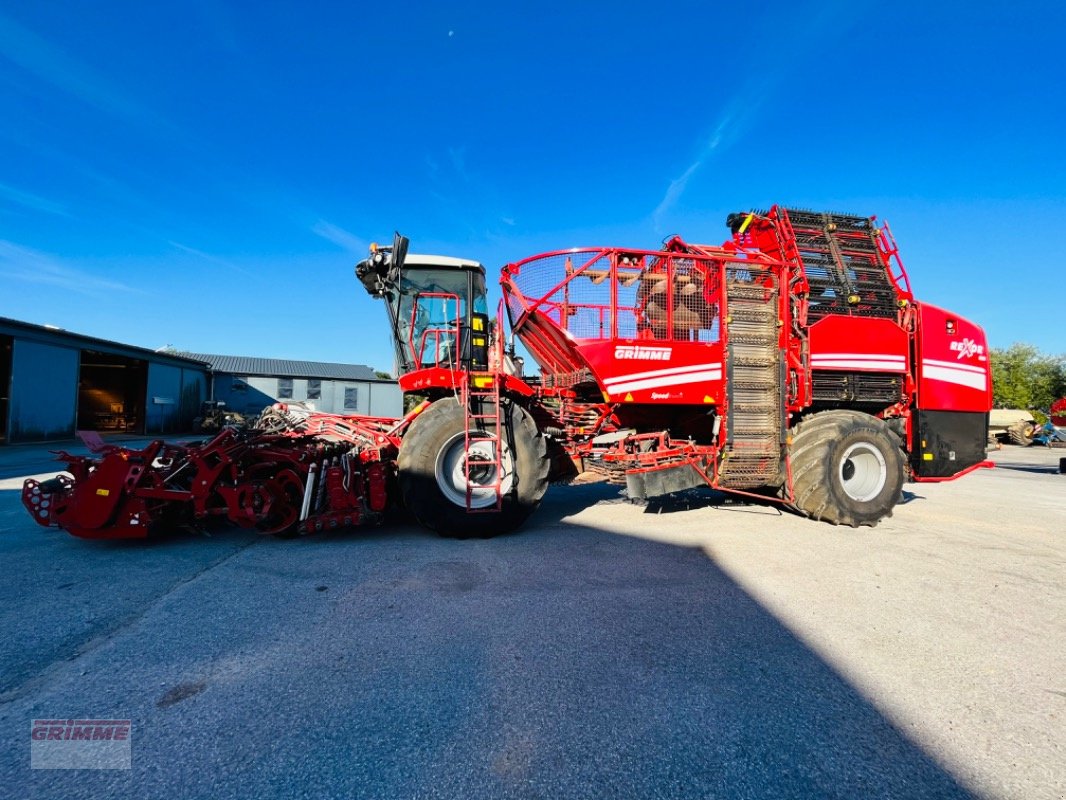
<point>53,382</point>
<point>249,384</point>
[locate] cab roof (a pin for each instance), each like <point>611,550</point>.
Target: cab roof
<point>425,260</point>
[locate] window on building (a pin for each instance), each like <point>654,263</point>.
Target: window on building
<point>351,398</point>
<point>284,388</point>
<point>239,385</point>
<point>314,390</point>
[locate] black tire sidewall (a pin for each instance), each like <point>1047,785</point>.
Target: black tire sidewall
<point>866,512</point>
<point>416,464</point>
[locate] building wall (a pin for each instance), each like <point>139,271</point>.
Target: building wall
<point>164,399</point>
<point>386,400</point>
<point>174,398</point>
<point>44,384</point>
<point>250,395</point>
<point>193,394</point>
<point>44,391</point>
<point>239,395</point>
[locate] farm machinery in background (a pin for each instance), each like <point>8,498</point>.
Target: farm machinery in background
<point>791,364</point>
<point>1020,427</point>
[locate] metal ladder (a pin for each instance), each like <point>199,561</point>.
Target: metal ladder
<point>482,404</point>
<point>755,400</point>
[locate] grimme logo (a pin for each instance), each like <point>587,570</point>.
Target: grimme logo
<point>642,353</point>
<point>967,348</point>
<point>80,744</point>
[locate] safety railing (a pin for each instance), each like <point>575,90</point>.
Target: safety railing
<point>618,294</point>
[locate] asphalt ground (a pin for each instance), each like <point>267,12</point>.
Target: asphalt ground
<point>698,647</point>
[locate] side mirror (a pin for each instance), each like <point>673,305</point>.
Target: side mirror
<point>399,250</point>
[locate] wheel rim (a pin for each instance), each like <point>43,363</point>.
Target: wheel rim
<point>450,471</point>
<point>862,472</point>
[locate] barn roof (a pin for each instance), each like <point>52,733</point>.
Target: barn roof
<point>285,368</point>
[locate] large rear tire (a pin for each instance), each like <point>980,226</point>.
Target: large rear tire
<point>1020,433</point>
<point>432,476</point>
<point>847,468</point>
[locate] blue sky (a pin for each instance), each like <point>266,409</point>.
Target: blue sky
<point>206,174</point>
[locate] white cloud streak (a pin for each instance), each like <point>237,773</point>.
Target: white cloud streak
<point>52,65</point>
<point>731,124</point>
<point>18,263</point>
<point>31,201</point>
<point>457,155</point>
<point>340,237</point>
<point>814,26</point>
<point>212,258</point>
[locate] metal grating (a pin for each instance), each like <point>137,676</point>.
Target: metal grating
<point>857,387</point>
<point>845,268</point>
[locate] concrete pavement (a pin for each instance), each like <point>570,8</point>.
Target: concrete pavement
<point>693,648</point>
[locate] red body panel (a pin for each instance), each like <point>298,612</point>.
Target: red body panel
<point>436,378</point>
<point>635,371</point>
<point>954,372</point>
<point>1058,412</point>
<point>858,344</point>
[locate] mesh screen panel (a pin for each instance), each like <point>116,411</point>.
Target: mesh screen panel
<point>609,294</point>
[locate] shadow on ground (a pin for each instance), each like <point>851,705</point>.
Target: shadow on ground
<point>564,661</point>
<point>1050,469</point>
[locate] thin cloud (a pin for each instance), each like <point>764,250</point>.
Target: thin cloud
<point>340,237</point>
<point>732,122</point>
<point>24,264</point>
<point>673,192</point>
<point>816,25</point>
<point>50,64</point>
<point>31,201</point>
<point>457,155</point>
<point>208,257</point>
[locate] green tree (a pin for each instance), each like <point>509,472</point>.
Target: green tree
<point>385,376</point>
<point>1023,377</point>
<point>411,400</point>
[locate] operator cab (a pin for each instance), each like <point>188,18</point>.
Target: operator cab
<point>437,306</point>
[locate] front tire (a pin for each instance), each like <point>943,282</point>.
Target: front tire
<point>847,468</point>
<point>432,476</point>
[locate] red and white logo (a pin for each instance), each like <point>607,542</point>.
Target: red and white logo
<point>638,353</point>
<point>967,348</point>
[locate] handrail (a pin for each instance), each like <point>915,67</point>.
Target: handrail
<point>455,331</point>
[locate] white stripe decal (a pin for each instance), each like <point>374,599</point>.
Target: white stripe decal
<point>668,380</point>
<point>956,376</point>
<point>865,356</point>
<point>657,372</point>
<point>881,366</point>
<point>953,365</point>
